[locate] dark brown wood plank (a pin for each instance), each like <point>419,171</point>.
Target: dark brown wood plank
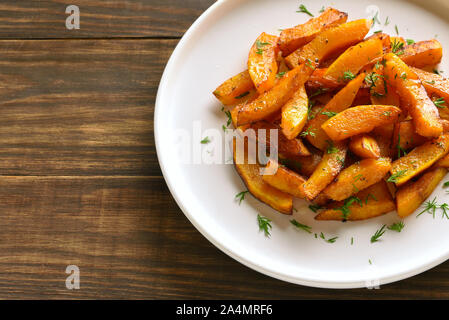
<point>99,18</point>
<point>130,240</point>
<point>79,107</point>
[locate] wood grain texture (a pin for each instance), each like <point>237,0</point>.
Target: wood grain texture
<point>79,107</point>
<point>130,240</point>
<point>107,19</point>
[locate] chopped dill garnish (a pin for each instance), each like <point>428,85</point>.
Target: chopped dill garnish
<point>303,9</point>
<point>264,225</point>
<point>348,75</point>
<point>331,147</point>
<point>301,226</point>
<point>379,233</point>
<point>206,140</point>
<point>397,175</point>
<point>398,226</point>
<point>241,196</point>
<point>315,207</point>
<point>439,103</point>
<point>330,114</point>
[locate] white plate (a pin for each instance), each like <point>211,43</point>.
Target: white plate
<point>212,50</point>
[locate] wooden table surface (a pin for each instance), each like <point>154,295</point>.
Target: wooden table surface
<point>80,181</point>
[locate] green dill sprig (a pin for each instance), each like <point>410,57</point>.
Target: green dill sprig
<point>331,240</point>
<point>439,103</point>
<point>264,225</point>
<point>280,74</point>
<point>303,9</point>
<point>206,140</point>
<point>398,226</point>
<point>260,45</point>
<point>331,147</point>
<point>397,47</point>
<point>241,196</point>
<point>330,114</point>
<point>371,79</point>
<point>379,233</point>
<point>429,207</point>
<point>345,207</point>
<point>394,177</point>
<point>308,132</point>
<point>244,94</point>
<point>348,75</point>
<point>400,149</point>
<point>301,226</point>
<point>315,207</point>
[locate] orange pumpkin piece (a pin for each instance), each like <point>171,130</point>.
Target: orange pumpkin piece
<point>293,38</point>
<point>405,137</point>
<point>419,159</point>
<point>303,165</point>
<point>329,41</point>
<point>250,174</point>
<point>284,179</point>
<point>273,100</point>
<point>434,83</point>
<point>422,54</point>
<point>294,113</point>
<point>342,100</point>
<point>358,120</point>
<point>365,146</point>
<point>371,202</point>
<point>290,149</point>
<point>354,59</point>
<point>410,196</point>
<point>357,177</point>
<point>328,168</point>
<point>422,110</point>
<point>318,80</point>
<point>382,93</point>
<point>235,89</point>
<point>262,62</point>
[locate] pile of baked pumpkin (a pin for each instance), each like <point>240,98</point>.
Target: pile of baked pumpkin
<point>363,121</point>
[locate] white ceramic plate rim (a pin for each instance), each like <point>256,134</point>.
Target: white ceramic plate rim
<point>170,179</point>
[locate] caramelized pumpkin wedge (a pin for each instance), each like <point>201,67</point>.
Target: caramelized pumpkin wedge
<point>422,54</point>
<point>235,89</point>
<point>422,110</point>
<point>381,92</point>
<point>419,159</point>
<point>294,113</point>
<point>330,41</point>
<point>318,81</point>
<point>354,59</point>
<point>443,162</point>
<point>250,174</point>
<point>405,137</point>
<point>342,100</point>
<point>410,196</point>
<point>369,203</point>
<point>434,83</point>
<point>328,168</point>
<point>284,179</point>
<point>273,100</point>
<point>303,165</point>
<point>365,146</point>
<point>287,148</point>
<point>358,120</point>
<point>357,177</point>
<point>262,62</point>
<point>293,38</point>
